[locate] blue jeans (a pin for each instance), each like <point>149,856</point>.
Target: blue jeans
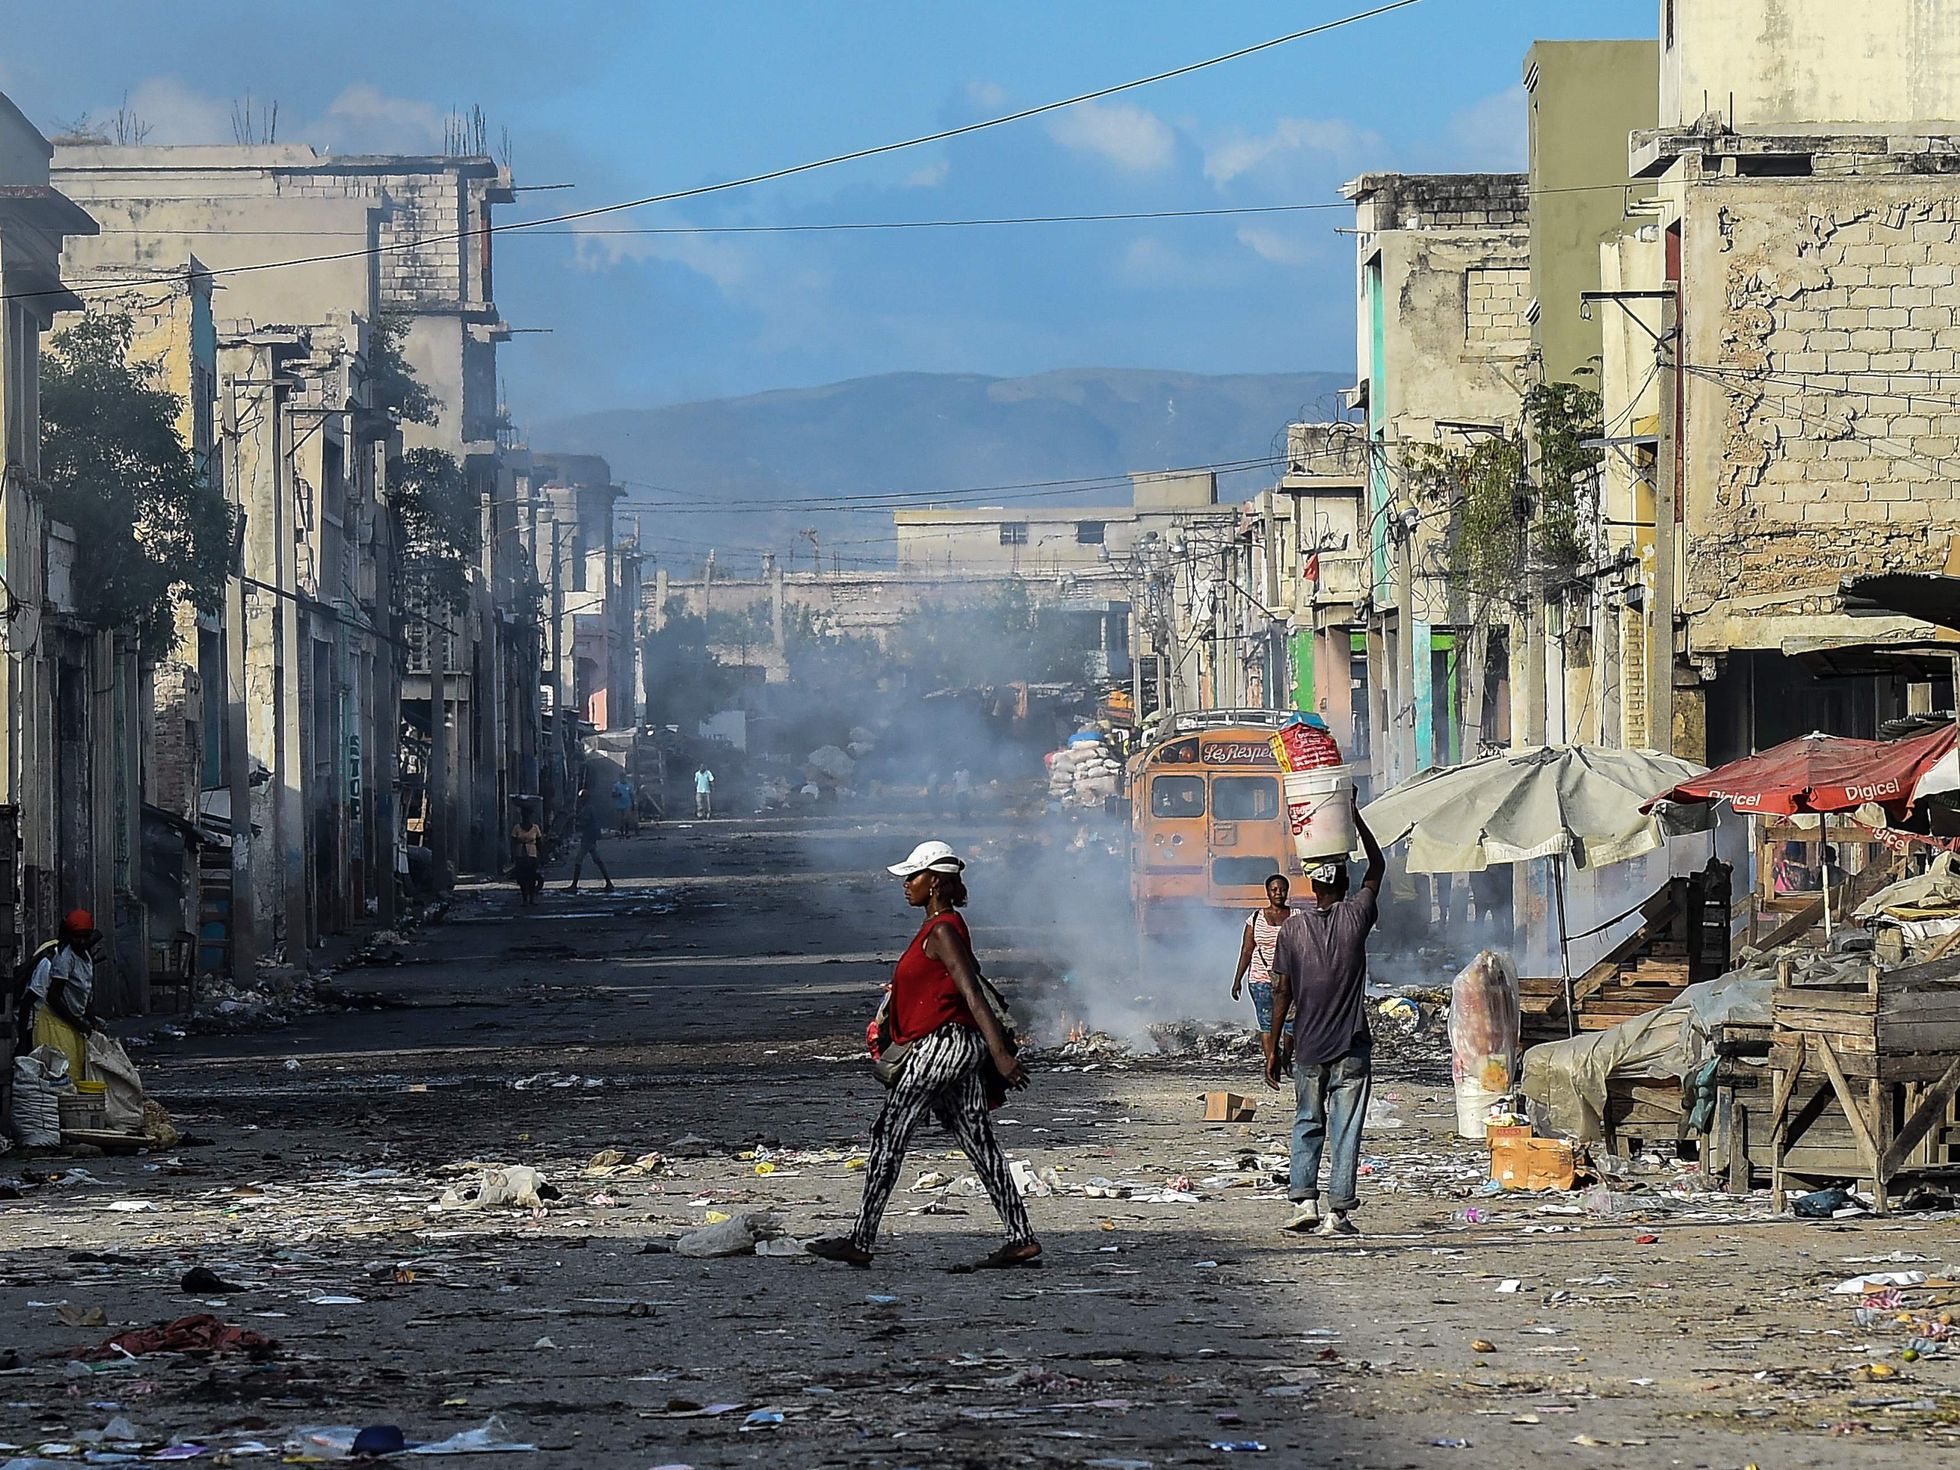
<point>1330,1101</point>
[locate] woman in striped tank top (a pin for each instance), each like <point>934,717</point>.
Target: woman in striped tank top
<point>1256,951</point>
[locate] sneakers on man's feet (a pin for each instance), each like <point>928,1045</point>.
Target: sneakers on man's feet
<point>1338,1223</point>
<point>1306,1215</point>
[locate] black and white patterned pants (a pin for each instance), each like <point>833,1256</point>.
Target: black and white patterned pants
<point>942,1075</point>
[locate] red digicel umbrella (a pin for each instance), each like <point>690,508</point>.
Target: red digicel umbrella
<point>1820,773</point>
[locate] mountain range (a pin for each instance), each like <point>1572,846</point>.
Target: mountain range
<point>744,475</point>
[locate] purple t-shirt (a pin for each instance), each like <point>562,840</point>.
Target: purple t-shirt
<point>1324,955</point>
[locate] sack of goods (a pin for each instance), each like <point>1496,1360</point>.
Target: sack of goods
<point>40,1081</point>
<point>1305,744</point>
<point>1061,773</point>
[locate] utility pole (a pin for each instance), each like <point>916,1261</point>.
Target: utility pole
<point>435,823</point>
<point>238,760</point>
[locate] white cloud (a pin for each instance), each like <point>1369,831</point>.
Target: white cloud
<point>718,260</point>
<point>364,119</point>
<point>1134,140</point>
<point>986,96</point>
<point>1275,246</point>
<point>931,176</point>
<point>1490,134</point>
<point>176,113</point>
<point>1290,139</point>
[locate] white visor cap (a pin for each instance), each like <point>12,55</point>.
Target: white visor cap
<point>934,856</point>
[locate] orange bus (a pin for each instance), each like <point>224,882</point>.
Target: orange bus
<point>1207,822</point>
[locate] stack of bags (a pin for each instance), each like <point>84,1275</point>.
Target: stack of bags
<point>1061,774</point>
<point>1093,771</point>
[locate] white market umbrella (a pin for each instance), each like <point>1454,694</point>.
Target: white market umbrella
<point>1577,802</point>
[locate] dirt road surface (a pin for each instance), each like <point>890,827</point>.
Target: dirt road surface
<point>711,1012</point>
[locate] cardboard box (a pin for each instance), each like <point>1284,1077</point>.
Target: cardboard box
<point>1227,1107</point>
<point>1519,1161</point>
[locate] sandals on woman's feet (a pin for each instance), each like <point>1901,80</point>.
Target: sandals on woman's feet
<point>1027,1254</point>
<point>840,1248</point>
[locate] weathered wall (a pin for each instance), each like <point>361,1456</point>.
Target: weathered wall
<point>1819,310</point>
<point>1809,63</point>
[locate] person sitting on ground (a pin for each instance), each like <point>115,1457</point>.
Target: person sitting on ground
<point>1256,950</point>
<point>61,994</point>
<point>526,847</point>
<point>1320,975</point>
<point>940,1013</point>
<point>586,820</point>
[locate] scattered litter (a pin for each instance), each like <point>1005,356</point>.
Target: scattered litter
<point>737,1235</point>
<point>201,1333</point>
<point>1878,1281</point>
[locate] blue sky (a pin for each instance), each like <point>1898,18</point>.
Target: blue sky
<point>622,100</point>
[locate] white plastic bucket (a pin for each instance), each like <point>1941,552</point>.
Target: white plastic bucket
<point>1473,1105</point>
<point>1320,813</point>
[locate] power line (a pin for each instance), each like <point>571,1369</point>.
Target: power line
<point>873,500</point>
<point>791,170</point>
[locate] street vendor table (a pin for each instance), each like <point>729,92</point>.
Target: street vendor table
<point>1884,1046</point>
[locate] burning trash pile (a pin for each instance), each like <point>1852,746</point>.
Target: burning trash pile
<point>1084,772</point>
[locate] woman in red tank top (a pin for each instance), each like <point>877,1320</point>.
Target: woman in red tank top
<point>939,1012</point>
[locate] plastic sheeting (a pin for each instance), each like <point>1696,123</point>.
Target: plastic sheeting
<point>1483,1037</point>
<point>1565,1081</point>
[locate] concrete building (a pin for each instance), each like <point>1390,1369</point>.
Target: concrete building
<point>589,577</point>
<point>67,832</point>
<point>1444,349</point>
<point>1046,540</point>
<point>1305,573</point>
<point>1806,66</point>
<point>428,222</point>
<point>1582,100</point>
<point>1799,301</point>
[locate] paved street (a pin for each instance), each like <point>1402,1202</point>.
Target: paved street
<point>712,1012</point>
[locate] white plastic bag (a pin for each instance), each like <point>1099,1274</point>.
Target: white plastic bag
<point>735,1236</point>
<point>110,1065</point>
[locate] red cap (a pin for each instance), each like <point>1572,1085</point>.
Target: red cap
<point>79,921</point>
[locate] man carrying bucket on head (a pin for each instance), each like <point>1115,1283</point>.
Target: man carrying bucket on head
<point>1320,979</point>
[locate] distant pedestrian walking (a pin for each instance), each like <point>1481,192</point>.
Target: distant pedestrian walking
<point>622,795</point>
<point>526,845</point>
<point>586,820</point>
<point>1255,972</point>
<point>955,1052</point>
<point>1320,977</point>
<point>704,785</point>
<point>963,794</point>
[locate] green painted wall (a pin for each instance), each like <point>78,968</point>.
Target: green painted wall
<point>1583,100</point>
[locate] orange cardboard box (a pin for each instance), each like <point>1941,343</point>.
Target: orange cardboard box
<point>1519,1161</point>
<point>1227,1107</point>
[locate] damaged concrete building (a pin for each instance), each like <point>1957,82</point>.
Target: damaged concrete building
<point>1793,301</point>
<point>1442,351</point>
<point>330,376</point>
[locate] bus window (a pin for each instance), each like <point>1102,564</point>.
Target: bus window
<point>1177,796</point>
<point>1244,798</point>
<point>1241,872</point>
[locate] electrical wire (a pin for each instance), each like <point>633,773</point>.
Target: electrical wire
<point>792,170</point>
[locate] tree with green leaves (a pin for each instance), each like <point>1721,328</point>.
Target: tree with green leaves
<point>152,526</point>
